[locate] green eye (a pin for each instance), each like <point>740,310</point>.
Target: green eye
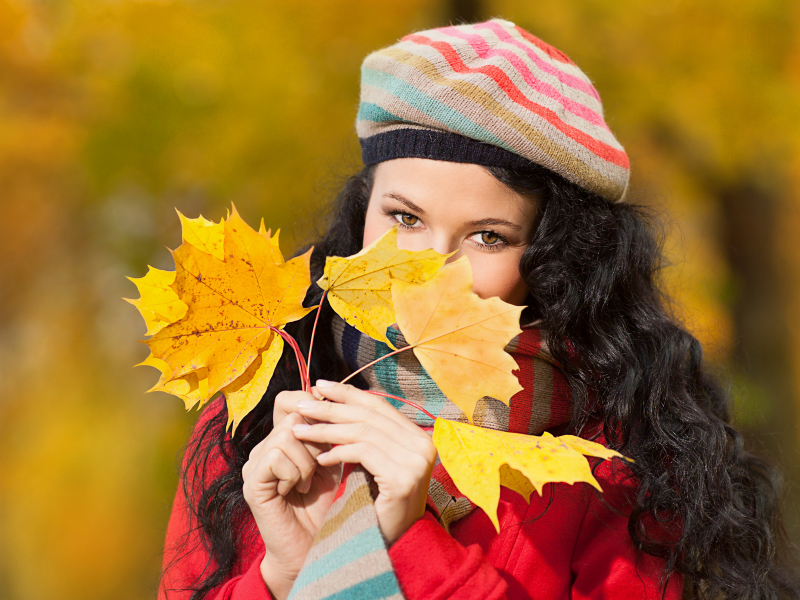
<point>489,237</point>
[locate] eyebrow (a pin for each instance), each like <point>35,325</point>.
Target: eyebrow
<point>479,223</point>
<point>489,222</point>
<point>404,200</point>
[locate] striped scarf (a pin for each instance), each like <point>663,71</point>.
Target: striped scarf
<point>349,558</point>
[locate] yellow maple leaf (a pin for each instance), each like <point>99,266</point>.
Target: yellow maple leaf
<point>158,303</point>
<point>244,393</point>
<point>277,256</point>
<point>360,286</point>
<point>204,235</point>
<point>192,388</point>
<point>480,460</point>
<point>241,396</point>
<point>227,339</point>
<point>458,337</point>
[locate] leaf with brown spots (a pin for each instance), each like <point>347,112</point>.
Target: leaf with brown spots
<point>228,340</point>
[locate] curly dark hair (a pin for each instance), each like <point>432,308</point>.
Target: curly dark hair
<point>591,267</point>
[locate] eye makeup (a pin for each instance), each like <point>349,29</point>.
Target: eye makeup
<point>487,239</point>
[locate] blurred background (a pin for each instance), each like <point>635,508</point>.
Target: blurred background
<point>114,112</point>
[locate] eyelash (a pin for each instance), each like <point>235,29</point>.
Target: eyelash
<point>400,213</point>
<point>493,247</point>
<point>490,247</point>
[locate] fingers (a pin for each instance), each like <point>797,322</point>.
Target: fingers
<point>273,471</point>
<point>330,412</point>
<point>373,460</point>
<point>304,458</point>
<point>347,394</point>
<point>401,465</point>
<point>401,445</point>
<point>286,403</point>
<point>265,466</point>
<point>364,429</point>
<point>351,404</point>
<point>348,404</point>
<point>354,416</point>
<point>284,469</point>
<point>398,479</point>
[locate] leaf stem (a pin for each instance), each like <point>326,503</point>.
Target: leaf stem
<point>377,360</point>
<point>301,362</point>
<point>313,332</point>
<point>403,400</point>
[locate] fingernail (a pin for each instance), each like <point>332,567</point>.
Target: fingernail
<point>301,427</point>
<point>307,403</point>
<point>324,384</point>
<point>323,455</point>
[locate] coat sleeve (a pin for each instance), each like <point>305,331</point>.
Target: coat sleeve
<point>186,559</point>
<point>430,564</point>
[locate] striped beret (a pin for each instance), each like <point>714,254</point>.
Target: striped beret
<point>490,94</point>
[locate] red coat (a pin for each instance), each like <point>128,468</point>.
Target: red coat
<point>577,548</point>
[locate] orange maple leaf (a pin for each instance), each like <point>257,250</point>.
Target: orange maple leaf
<point>228,340</point>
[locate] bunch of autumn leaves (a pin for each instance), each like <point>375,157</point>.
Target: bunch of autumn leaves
<point>217,325</point>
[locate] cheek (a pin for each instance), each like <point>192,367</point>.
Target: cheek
<point>495,277</point>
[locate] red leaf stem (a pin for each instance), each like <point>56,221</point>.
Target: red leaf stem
<point>301,361</point>
<point>403,400</point>
<point>313,332</point>
<point>377,360</point>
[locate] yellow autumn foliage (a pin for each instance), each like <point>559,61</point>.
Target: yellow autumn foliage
<point>360,286</point>
<point>239,293</point>
<point>459,337</point>
<point>204,235</point>
<point>156,104</point>
<point>477,460</point>
<point>158,302</point>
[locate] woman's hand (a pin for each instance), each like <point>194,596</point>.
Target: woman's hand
<point>288,493</point>
<point>368,430</point>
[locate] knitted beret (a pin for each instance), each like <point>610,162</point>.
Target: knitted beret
<point>490,94</point>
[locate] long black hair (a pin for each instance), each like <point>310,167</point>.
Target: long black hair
<point>592,269</point>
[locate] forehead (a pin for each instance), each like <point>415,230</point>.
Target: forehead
<point>457,190</point>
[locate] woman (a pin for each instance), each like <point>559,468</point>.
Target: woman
<point>484,141</point>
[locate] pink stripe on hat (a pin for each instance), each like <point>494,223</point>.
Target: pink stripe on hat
<point>493,94</point>
<point>499,76</point>
<point>565,78</point>
<point>483,50</point>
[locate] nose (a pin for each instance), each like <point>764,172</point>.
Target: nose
<point>445,245</point>
<point>454,257</point>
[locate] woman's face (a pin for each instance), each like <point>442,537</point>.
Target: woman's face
<point>455,207</point>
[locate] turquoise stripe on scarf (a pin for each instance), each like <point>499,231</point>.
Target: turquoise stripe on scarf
<point>455,120</point>
<point>386,370</point>
<point>365,542</point>
<point>380,586</point>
